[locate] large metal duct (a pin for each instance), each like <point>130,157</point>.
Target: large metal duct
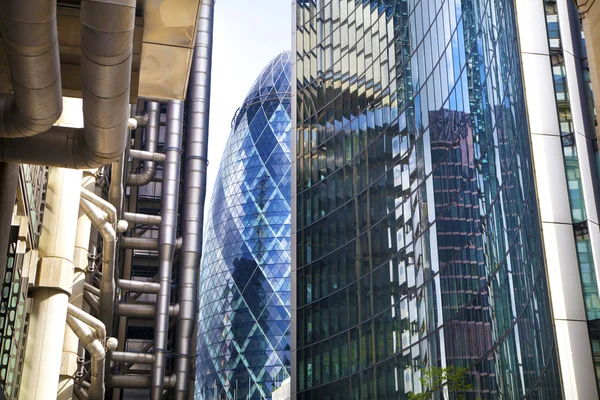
<point>196,148</point>
<point>106,46</point>
<point>142,311</point>
<point>152,130</point>
<point>30,37</point>
<point>167,237</point>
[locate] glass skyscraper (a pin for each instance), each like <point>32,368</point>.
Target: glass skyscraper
<point>244,318</point>
<point>416,241</point>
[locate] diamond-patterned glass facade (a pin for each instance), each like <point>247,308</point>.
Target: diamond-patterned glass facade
<point>244,317</point>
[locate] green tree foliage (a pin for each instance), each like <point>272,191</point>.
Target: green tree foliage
<point>445,381</point>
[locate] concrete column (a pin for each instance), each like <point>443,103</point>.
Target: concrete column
<point>53,285</point>
<point>80,260</point>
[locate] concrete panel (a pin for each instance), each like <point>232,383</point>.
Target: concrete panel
<point>531,19</point>
<point>575,356</point>
<point>163,72</point>
<point>561,260</point>
<point>551,179</point>
<point>539,90</point>
<point>171,22</point>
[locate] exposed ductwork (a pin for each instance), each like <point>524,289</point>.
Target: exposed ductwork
<point>107,46</point>
<point>143,219</point>
<point>132,358</point>
<point>167,238</point>
<point>30,36</point>
<point>196,153</point>
<point>139,286</point>
<point>144,243</point>
<point>109,245</point>
<point>137,381</point>
<point>143,311</point>
<point>152,129</point>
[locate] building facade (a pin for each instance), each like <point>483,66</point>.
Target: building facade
<point>558,80</point>
<point>244,317</point>
<point>416,242</point>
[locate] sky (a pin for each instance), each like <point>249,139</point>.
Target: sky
<point>247,35</point>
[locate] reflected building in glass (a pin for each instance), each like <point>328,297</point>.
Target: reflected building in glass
<point>244,318</point>
<point>416,241</point>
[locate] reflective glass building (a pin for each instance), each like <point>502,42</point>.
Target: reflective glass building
<point>244,317</point>
<point>417,240</point>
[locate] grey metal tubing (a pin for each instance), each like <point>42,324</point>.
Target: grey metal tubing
<point>92,302</point>
<point>109,242</point>
<point>194,193</point>
<point>107,47</point>
<point>147,155</point>
<point>132,358</point>
<point>92,289</point>
<point>116,190</point>
<point>167,238</point>
<point>81,393</point>
<point>143,243</point>
<point>96,349</point>
<point>94,323</point>
<point>144,219</point>
<point>139,286</point>
<point>142,311</point>
<point>141,120</point>
<point>152,131</point>
<point>30,36</point>
<point>109,209</point>
<point>137,381</point>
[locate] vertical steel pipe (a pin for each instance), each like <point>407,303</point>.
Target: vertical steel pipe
<point>152,130</point>
<point>167,238</point>
<point>194,193</point>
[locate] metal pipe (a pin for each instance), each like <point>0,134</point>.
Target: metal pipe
<point>115,190</point>
<point>53,285</point>
<point>109,209</point>
<point>96,350</point>
<point>92,302</point>
<point>94,323</point>
<point>147,155</point>
<point>144,243</point>
<point>81,393</point>
<point>139,286</point>
<point>152,131</point>
<point>142,311</point>
<point>145,219</point>
<point>137,381</point>
<point>107,47</point>
<point>194,193</point>
<point>167,237</point>
<point>132,358</point>
<point>92,289</point>
<point>109,241</point>
<point>30,36</point>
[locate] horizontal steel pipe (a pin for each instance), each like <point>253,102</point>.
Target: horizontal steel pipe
<point>94,323</point>
<point>92,302</point>
<point>132,358</point>
<point>109,209</point>
<point>145,243</point>
<point>144,219</point>
<point>142,311</point>
<point>139,286</point>
<point>137,381</point>
<point>147,155</point>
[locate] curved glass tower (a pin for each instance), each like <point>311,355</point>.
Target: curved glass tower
<point>417,241</point>
<point>244,318</point>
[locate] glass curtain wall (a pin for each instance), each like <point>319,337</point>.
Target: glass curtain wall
<point>244,317</point>
<point>417,235</point>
